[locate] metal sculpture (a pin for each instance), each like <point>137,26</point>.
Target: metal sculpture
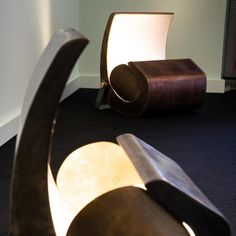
<point>136,78</point>
<point>30,208</point>
<point>167,198</point>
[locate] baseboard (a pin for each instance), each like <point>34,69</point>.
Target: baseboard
<point>93,81</point>
<point>72,86</point>
<point>215,86</point>
<point>89,81</point>
<point>9,124</point>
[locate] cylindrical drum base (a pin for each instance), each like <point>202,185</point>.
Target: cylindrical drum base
<point>156,86</point>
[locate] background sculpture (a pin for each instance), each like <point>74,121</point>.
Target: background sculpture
<point>136,77</point>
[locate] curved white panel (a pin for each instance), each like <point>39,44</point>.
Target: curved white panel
<point>137,37</point>
<point>93,170</point>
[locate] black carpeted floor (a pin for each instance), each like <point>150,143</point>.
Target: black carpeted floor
<point>203,143</point>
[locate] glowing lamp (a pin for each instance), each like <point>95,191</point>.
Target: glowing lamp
<point>136,77</point>
<point>102,188</point>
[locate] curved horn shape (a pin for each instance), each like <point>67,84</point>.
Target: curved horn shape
<point>30,208</point>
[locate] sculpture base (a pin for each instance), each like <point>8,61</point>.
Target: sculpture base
<point>156,86</point>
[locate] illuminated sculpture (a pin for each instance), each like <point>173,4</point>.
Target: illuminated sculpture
<point>102,188</point>
<point>136,78</point>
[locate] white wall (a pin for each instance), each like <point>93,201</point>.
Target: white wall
<point>25,28</point>
<point>197,32</point>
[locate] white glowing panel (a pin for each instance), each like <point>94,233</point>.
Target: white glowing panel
<point>62,212</point>
<point>93,170</point>
<point>189,229</point>
<point>137,37</point>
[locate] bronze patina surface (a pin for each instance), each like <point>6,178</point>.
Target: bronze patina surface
<point>30,210</point>
<point>148,87</point>
<point>167,182</point>
<point>126,211</point>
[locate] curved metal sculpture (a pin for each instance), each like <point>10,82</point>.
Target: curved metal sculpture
<point>136,78</point>
<point>127,38</point>
<point>168,196</point>
<point>30,208</point>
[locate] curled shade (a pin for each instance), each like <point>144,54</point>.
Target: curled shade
<point>131,36</point>
<point>136,79</point>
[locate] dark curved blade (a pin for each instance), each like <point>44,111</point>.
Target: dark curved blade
<point>173,189</point>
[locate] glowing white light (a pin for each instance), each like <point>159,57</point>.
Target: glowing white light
<point>188,228</point>
<point>142,186</point>
<point>62,212</point>
<point>137,37</point>
<point>87,173</point>
<point>93,170</point>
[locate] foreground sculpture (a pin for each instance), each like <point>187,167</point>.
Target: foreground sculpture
<point>102,188</point>
<point>30,206</point>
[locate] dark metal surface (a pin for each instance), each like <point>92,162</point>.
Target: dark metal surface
<point>173,189</point>
<point>126,211</point>
<point>159,86</point>
<point>101,102</point>
<point>30,210</point>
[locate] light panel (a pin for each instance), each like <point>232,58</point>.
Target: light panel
<point>137,37</point>
<point>93,170</point>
